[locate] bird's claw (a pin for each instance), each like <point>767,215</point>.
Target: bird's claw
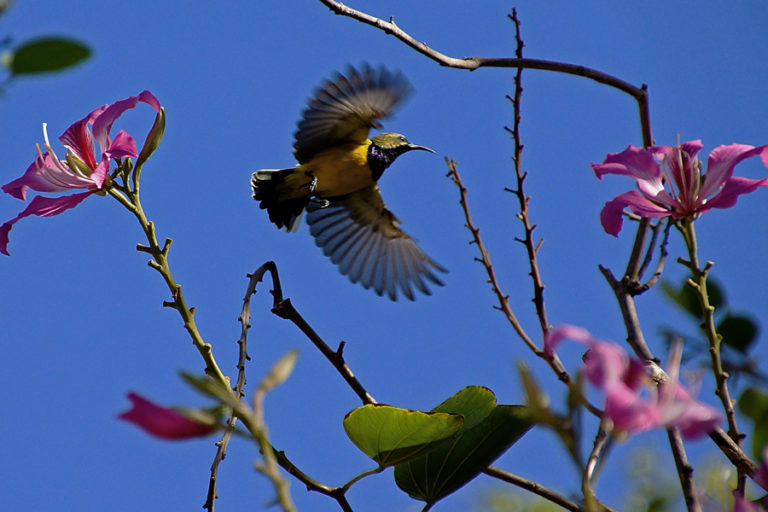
<point>313,185</point>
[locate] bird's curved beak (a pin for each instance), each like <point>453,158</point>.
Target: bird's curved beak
<point>423,148</point>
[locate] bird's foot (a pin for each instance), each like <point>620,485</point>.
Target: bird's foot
<point>323,203</point>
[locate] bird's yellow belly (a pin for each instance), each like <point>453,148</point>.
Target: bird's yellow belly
<point>340,170</point>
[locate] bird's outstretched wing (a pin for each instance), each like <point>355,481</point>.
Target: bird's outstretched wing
<point>344,108</point>
<point>363,238</point>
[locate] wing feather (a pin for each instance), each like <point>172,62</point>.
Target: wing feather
<point>364,239</point>
<point>344,108</point>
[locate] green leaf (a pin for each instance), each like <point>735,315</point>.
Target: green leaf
<point>47,54</point>
<point>754,404</point>
<point>738,332</point>
<point>280,371</point>
<point>210,387</point>
<point>390,435</point>
<point>490,430</point>
<point>685,296</point>
<point>475,403</point>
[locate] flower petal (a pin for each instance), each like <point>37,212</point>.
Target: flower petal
<point>162,422</point>
<point>122,146</point>
<point>693,418</point>
<point>637,163</point>
<point>103,123</point>
<point>611,216</point>
<point>761,475</point>
<point>720,165</point>
<point>79,139</point>
<point>563,332</point>
<point>42,207</point>
<point>628,410</point>
<point>43,175</point>
<point>733,188</point>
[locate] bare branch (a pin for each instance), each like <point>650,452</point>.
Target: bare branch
<point>640,94</point>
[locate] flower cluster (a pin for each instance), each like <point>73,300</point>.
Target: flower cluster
<point>82,167</point>
<point>670,181</point>
<point>632,401</point>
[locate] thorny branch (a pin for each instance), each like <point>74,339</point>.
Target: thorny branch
<point>283,308</point>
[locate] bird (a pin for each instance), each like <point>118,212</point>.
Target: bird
<point>336,182</point>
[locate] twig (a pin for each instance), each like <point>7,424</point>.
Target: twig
<point>684,470</point>
<point>504,307</point>
<point>590,469</point>
<point>159,262</point>
<point>663,253</point>
<point>284,309</point>
<point>538,489</point>
<point>640,94</point>
<point>275,377</point>
<point>221,452</point>
<point>531,248</point>
<point>698,282</point>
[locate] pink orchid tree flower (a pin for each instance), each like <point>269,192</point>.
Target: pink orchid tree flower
<point>163,422</point>
<point>633,402</point>
<point>671,181</point>
<point>82,167</point>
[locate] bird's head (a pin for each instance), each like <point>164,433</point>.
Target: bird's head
<point>396,143</point>
<point>385,148</point>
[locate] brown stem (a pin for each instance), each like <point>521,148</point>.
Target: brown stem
<point>640,94</point>
<point>684,470</point>
<point>284,309</point>
<point>538,489</point>
<point>523,215</point>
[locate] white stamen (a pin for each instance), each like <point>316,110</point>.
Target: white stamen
<point>51,153</point>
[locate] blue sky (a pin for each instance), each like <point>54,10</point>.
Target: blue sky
<point>82,316</point>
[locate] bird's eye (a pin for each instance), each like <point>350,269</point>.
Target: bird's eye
<point>402,138</point>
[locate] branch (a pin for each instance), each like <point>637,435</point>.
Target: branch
<point>221,453</point>
<point>531,248</point>
<point>538,489</point>
<point>504,307</point>
<point>284,309</point>
<point>640,94</point>
<point>684,470</point>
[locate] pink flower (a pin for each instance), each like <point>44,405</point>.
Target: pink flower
<point>741,504</point>
<point>632,401</point>
<point>163,422</point>
<point>82,167</point>
<point>761,475</point>
<point>671,182</point>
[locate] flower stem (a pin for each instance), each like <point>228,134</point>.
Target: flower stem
<point>130,199</point>
<point>698,281</point>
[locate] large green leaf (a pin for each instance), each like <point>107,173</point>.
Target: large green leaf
<point>390,435</point>
<point>47,54</point>
<point>490,430</point>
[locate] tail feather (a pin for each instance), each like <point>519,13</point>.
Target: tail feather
<point>284,203</point>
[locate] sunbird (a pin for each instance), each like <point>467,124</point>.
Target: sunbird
<point>335,181</point>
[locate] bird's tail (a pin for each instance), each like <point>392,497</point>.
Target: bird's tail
<point>284,193</point>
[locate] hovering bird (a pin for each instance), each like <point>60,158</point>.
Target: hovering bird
<point>336,178</point>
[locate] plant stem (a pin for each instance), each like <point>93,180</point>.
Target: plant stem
<point>698,281</point>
